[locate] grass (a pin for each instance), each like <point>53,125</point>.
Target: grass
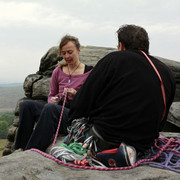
<point>2,145</point>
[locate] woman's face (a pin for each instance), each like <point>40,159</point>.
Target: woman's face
<point>70,53</point>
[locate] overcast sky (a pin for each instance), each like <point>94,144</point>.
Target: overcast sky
<point>28,28</point>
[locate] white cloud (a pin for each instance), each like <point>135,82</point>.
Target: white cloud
<point>35,14</point>
<point>165,28</point>
<point>28,28</point>
<point>12,12</point>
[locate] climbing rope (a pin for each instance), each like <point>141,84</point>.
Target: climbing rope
<point>114,168</point>
<point>62,110</point>
<point>170,157</point>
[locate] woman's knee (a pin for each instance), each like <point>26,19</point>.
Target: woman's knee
<point>27,104</point>
<point>50,107</point>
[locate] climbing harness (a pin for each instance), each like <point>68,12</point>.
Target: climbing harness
<point>78,131</point>
<point>164,154</point>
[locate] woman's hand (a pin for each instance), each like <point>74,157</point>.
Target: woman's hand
<point>54,100</point>
<point>70,92</point>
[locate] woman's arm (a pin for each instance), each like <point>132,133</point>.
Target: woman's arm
<point>53,94</point>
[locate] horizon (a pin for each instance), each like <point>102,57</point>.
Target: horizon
<point>11,83</point>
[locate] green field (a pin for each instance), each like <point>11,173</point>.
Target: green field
<point>9,95</point>
<point>2,145</point>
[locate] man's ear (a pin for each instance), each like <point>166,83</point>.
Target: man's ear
<point>121,47</point>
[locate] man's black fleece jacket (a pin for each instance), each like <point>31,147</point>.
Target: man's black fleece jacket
<point>123,99</point>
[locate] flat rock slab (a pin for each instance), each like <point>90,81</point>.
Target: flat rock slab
<point>31,165</point>
<point>174,114</point>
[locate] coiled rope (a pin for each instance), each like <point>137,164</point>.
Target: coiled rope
<point>170,157</point>
<point>69,153</point>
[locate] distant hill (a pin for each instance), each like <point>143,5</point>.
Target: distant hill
<point>11,85</point>
<point>9,95</point>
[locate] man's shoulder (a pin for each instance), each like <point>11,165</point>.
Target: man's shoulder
<point>115,55</point>
<point>88,68</point>
<point>159,63</point>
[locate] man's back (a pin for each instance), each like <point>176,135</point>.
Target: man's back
<point>125,101</point>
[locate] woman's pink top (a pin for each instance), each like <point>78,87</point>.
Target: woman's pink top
<point>60,80</point>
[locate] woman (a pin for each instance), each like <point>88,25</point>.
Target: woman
<point>68,76</point>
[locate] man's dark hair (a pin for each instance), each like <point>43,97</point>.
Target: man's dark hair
<point>133,37</point>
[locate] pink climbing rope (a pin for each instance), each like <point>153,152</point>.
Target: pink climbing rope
<point>175,143</point>
<point>62,110</point>
<point>104,168</point>
<point>170,157</point>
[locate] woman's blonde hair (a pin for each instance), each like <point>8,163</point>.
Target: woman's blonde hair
<point>64,41</point>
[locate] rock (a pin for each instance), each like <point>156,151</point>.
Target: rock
<point>6,151</point>
<point>170,134</point>
<point>49,61</point>
<point>11,133</point>
<point>90,55</point>
<point>16,121</point>
<point>175,68</point>
<point>58,142</point>
<point>174,114</point>
<point>40,89</point>
<point>32,165</point>
<point>28,83</point>
<point>17,110</point>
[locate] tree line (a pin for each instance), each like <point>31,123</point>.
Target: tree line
<point>6,121</point>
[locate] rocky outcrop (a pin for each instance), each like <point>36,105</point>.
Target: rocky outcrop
<point>174,114</point>
<point>175,68</point>
<point>36,86</point>
<point>30,165</point>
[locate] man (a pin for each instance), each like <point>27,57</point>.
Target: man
<point>123,97</point>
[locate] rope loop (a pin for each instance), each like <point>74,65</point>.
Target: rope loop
<point>164,159</point>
